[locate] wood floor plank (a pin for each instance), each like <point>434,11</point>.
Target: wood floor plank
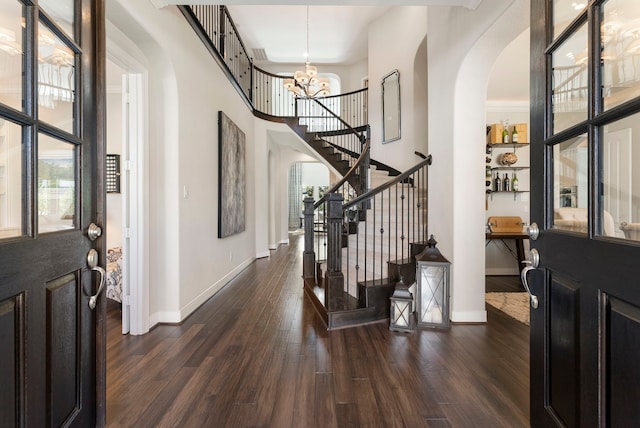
<point>258,355</point>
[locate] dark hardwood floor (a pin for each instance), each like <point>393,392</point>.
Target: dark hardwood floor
<point>257,355</point>
<point>503,283</point>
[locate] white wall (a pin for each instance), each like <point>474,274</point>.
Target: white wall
<point>271,181</point>
<point>394,41</point>
<point>459,67</point>
<point>314,174</point>
<point>114,146</point>
<point>186,90</point>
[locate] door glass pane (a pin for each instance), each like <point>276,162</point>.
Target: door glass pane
<point>564,12</point>
<point>61,11</point>
<point>620,52</point>
<point>56,184</point>
<point>621,178</point>
<point>11,54</point>
<point>11,190</point>
<point>56,80</point>
<point>570,81</point>
<point>570,192</point>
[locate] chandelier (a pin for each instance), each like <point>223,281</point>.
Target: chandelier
<point>307,84</point>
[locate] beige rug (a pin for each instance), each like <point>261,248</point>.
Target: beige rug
<point>516,305</point>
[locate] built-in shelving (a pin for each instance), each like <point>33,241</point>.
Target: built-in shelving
<point>514,145</point>
<point>496,169</point>
<point>509,168</point>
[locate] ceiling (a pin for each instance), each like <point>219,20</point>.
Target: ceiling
<point>275,30</point>
<point>281,32</point>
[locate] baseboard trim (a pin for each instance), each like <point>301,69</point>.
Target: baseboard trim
<point>165,317</point>
<point>501,271</point>
<point>212,290</point>
<point>469,317</point>
<point>262,254</point>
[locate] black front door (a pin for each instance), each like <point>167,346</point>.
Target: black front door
<point>585,175</point>
<point>51,341</point>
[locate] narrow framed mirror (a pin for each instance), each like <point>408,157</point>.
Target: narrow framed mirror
<point>391,107</point>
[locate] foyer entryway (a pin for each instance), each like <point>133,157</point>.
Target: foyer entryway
<point>257,354</point>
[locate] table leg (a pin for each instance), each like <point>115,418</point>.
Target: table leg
<point>520,252</point>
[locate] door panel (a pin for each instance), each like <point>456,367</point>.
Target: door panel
<point>11,341</point>
<point>564,349</point>
<point>63,347</point>
<point>585,106</point>
<point>621,328</point>
<point>585,152</point>
<point>51,341</point>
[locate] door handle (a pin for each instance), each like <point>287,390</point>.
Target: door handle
<point>92,261</point>
<point>533,263</point>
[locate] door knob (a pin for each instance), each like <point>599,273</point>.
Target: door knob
<point>533,231</point>
<point>94,231</point>
<point>533,263</point>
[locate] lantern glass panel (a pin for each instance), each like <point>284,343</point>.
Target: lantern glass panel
<point>401,313</point>
<point>433,300</point>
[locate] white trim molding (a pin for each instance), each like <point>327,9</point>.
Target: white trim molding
<point>469,316</point>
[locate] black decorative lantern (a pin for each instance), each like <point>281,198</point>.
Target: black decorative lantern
<point>402,317</point>
<point>432,277</point>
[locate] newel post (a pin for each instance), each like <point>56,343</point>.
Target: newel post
<point>309,256</point>
<point>334,279</point>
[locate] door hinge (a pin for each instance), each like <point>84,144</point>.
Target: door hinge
<point>126,164</point>
<point>126,232</point>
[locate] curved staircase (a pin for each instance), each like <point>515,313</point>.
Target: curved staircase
<point>362,236</point>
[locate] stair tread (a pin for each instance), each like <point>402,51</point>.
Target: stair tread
<point>407,261</point>
<point>379,282</point>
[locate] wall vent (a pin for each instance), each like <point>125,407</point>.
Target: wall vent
<point>259,54</point>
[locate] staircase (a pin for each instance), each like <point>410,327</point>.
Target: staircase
<point>376,248</point>
<point>364,233</point>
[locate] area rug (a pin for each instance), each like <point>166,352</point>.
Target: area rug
<point>516,305</point>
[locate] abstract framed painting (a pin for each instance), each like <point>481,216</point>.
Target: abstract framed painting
<point>231,177</point>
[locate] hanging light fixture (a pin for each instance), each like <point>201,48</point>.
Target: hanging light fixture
<point>307,84</point>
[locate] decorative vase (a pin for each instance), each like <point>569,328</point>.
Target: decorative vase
<point>508,159</point>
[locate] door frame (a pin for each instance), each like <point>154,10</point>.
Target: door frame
<point>135,197</point>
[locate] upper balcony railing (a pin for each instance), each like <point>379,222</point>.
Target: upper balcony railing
<point>263,91</point>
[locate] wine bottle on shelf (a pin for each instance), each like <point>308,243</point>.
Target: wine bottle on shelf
<point>505,133</point>
<point>514,135</point>
<point>514,182</point>
<point>506,183</point>
<point>497,184</point>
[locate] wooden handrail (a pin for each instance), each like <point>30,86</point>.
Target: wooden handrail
<point>365,152</point>
<point>371,193</point>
